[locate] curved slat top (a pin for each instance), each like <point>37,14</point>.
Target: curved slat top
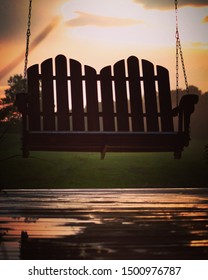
<point>106,70</point>
<point>132,58</point>
<point>32,67</point>
<point>74,62</point>
<point>148,71</point>
<point>162,68</point>
<point>47,61</point>
<point>60,57</point>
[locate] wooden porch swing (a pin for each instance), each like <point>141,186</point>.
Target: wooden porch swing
<point>123,113</point>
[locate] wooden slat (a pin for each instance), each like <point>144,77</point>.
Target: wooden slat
<point>77,96</point>
<point>121,96</point>
<point>47,95</point>
<point>107,99</point>
<point>34,98</point>
<point>92,99</point>
<point>135,94</point>
<point>150,96</point>
<point>62,93</point>
<point>164,99</point>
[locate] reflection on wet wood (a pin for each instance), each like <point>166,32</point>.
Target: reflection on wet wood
<point>104,224</point>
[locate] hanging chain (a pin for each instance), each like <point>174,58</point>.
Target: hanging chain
<point>177,54</point>
<point>28,38</point>
<point>179,51</point>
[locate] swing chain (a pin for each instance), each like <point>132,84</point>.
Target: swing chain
<point>28,33</point>
<point>179,51</point>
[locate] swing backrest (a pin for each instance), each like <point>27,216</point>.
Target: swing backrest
<point>131,95</point>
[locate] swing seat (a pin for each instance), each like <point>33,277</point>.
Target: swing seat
<point>123,108</point>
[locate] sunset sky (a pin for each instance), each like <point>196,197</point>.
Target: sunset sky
<point>101,32</point>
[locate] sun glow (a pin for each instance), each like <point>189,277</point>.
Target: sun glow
<point>101,32</point>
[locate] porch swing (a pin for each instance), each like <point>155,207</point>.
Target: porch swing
<point>131,117</point>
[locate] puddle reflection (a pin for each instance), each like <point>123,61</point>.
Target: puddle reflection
<point>100,224</point>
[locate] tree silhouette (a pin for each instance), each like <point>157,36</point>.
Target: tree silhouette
<point>8,112</point>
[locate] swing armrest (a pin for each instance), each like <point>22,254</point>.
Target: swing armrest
<point>184,110</point>
<point>21,101</point>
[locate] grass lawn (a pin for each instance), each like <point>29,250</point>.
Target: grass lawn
<point>86,170</point>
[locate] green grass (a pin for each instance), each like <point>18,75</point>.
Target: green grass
<point>86,170</point>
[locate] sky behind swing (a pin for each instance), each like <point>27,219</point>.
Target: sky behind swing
<point>101,32</point>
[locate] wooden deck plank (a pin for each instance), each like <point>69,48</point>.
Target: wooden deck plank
<point>104,223</point>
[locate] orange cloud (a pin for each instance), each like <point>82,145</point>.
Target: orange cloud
<point>85,19</point>
<point>200,45</point>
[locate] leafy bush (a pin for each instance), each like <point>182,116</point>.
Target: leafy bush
<point>8,112</point>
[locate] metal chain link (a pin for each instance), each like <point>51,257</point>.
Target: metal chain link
<point>179,51</point>
<point>177,54</point>
<point>28,33</point>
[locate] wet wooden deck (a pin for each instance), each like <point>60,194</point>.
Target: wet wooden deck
<point>104,224</point>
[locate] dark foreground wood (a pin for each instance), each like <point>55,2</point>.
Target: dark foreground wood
<point>104,224</point>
